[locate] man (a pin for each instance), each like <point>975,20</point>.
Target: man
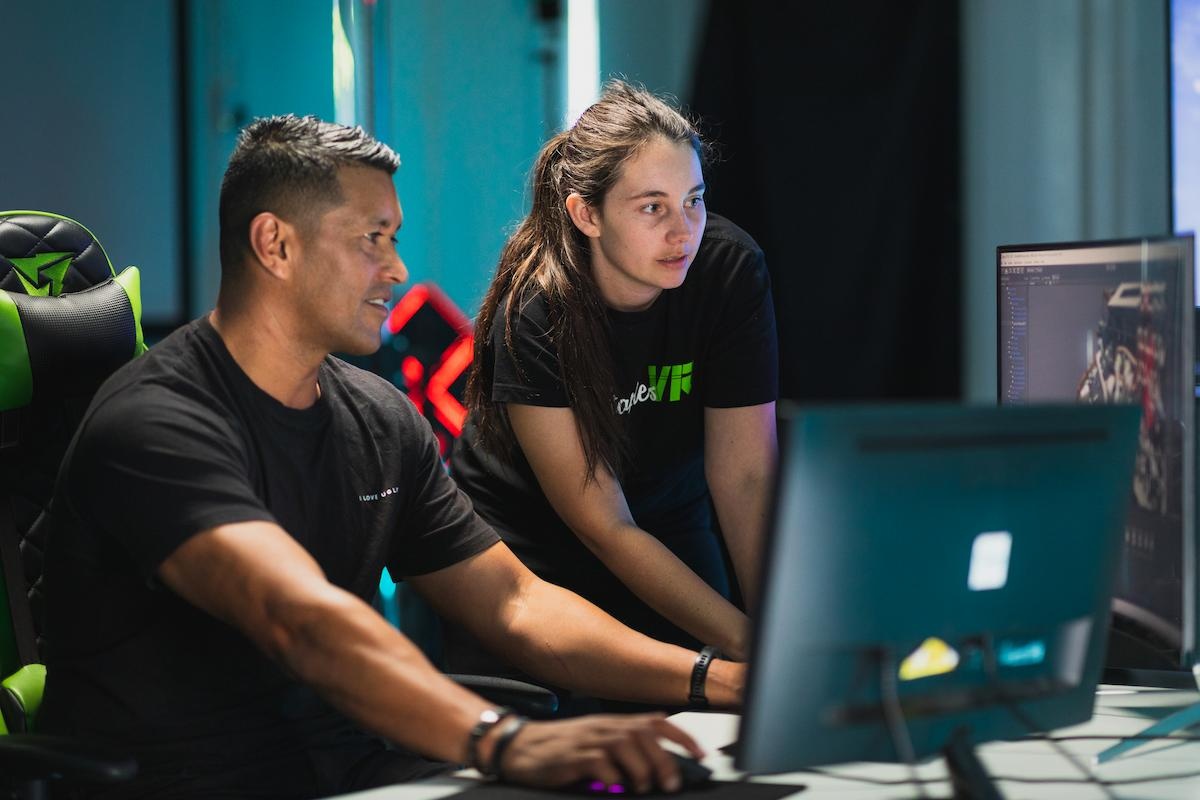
<point>224,512</point>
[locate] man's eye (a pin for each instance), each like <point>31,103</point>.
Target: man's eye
<point>379,239</point>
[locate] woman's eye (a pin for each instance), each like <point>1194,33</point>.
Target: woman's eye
<point>695,201</point>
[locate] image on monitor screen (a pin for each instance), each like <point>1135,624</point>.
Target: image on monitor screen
<point>1111,322</point>
<point>1185,117</point>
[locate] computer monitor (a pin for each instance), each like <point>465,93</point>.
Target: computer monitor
<point>1184,48</point>
<point>1112,321</point>
<point>934,577</point>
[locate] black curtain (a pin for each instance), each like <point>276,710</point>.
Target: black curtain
<point>838,130</point>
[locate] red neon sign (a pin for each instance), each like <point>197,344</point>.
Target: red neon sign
<point>431,383</point>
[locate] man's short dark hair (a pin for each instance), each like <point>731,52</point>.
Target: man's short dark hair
<point>288,165</point>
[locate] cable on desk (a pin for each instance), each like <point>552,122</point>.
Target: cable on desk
<point>922,782</point>
<point>893,712</point>
<point>1028,722</point>
<point>1110,737</point>
<point>1178,776</point>
<point>1024,718</point>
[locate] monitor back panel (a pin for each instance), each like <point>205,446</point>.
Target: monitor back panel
<point>938,561</point>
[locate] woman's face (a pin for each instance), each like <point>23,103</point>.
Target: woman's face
<point>648,227</point>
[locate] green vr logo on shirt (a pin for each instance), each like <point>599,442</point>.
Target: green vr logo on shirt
<point>669,383</point>
<point>679,377</point>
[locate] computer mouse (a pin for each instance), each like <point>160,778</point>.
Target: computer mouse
<point>692,774</point>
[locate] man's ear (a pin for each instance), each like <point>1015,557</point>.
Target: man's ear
<point>273,242</point>
<point>585,216</point>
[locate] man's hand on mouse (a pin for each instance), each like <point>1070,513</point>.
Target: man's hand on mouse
<point>621,749</point>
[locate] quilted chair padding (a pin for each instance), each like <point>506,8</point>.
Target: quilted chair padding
<point>66,322</point>
<point>24,235</point>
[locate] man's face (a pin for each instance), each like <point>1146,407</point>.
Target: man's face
<point>350,265</point>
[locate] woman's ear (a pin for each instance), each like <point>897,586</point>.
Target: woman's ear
<point>586,217</point>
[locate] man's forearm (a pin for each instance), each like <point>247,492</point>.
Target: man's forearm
<point>375,675</point>
<point>256,578</point>
<point>563,639</point>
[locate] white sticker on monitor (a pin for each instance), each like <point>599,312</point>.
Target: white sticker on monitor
<point>989,561</point>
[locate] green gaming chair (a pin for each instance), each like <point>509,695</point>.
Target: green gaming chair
<point>67,320</point>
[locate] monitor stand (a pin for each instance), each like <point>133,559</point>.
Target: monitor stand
<point>1155,678</point>
<point>1137,655</point>
<point>1180,720</point>
<point>968,777</point>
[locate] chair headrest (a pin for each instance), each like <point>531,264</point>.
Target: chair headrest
<point>45,254</point>
<point>66,320</point>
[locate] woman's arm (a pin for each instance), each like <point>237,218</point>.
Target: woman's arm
<point>558,637</point>
<point>741,454</point>
<point>599,515</point>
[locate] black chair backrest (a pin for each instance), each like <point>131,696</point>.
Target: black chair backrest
<point>66,322</point>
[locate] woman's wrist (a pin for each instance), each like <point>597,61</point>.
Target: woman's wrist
<point>736,647</point>
<point>726,682</point>
<point>736,650</point>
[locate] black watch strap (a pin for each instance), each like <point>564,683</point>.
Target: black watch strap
<point>696,696</point>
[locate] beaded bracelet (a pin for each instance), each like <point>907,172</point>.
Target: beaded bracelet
<point>488,719</point>
<point>510,732</point>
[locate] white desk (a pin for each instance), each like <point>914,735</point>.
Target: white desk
<point>1119,712</point>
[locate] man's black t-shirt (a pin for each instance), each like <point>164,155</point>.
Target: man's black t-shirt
<point>180,441</point>
<point>708,343</point>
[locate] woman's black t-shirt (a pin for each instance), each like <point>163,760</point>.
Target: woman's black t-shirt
<point>708,343</point>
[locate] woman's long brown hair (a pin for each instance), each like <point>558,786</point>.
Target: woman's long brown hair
<point>548,255</point>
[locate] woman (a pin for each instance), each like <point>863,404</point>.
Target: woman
<point>624,382</point>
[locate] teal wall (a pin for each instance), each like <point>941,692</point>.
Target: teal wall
<point>466,91</point>
<point>469,106</point>
<point>1064,137</point>
<point>245,60</point>
<point>461,103</point>
<point>91,130</point>
<point>654,43</point>
<point>469,109</point>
